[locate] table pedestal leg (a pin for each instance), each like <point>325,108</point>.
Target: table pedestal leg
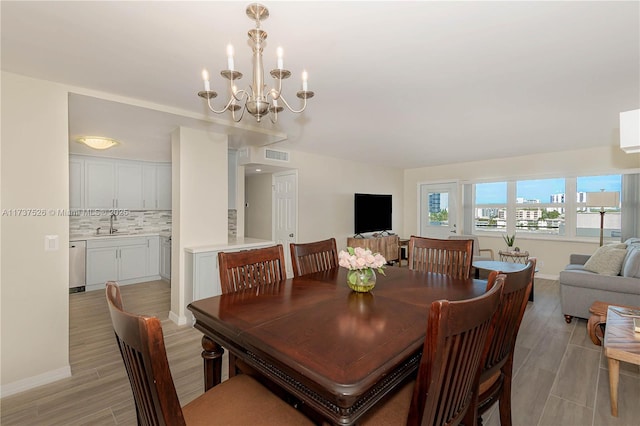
<point>212,357</point>
<point>614,375</point>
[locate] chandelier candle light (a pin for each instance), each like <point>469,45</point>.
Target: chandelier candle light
<point>258,99</point>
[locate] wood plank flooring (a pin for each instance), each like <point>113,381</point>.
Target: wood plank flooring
<point>560,378</point>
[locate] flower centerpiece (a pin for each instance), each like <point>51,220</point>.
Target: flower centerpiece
<point>362,265</point>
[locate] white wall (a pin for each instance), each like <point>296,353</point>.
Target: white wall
<point>326,186</point>
<point>35,175</point>
<point>552,255</point>
<point>199,198</point>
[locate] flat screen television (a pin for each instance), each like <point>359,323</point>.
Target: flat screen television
<point>372,213</point>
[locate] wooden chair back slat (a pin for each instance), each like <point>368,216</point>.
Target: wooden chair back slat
<point>307,258</point>
<point>450,365</point>
<point>450,257</point>
<point>251,268</point>
<point>141,345</point>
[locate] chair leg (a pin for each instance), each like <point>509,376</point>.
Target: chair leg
<point>505,396</point>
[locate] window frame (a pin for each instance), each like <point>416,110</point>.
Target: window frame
<point>570,207</point>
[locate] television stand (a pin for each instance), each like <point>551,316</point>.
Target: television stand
<point>387,245</point>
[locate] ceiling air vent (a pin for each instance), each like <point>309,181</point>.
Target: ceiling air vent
<point>272,154</point>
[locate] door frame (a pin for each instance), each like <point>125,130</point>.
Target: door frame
<point>457,201</point>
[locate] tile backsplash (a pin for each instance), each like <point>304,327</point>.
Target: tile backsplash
<point>150,221</point>
<point>233,223</point>
<point>135,222</point>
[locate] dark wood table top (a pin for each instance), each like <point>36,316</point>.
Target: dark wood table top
<point>336,350</point>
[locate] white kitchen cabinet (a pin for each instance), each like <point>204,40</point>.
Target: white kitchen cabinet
<point>76,183</point>
<point>149,186</point>
<point>104,183</point>
<point>163,183</point>
<point>128,185</point>
<point>100,184</point>
<point>102,265</point>
<point>153,255</point>
<point>165,258</point>
<point>133,261</point>
<point>127,260</point>
<point>156,186</point>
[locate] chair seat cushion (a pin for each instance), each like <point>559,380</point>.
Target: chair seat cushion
<point>393,411</point>
<point>241,400</point>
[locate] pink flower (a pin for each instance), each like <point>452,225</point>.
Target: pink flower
<point>361,258</point>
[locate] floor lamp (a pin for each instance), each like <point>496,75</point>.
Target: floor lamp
<point>603,199</point>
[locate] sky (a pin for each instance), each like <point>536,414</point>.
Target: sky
<point>542,189</point>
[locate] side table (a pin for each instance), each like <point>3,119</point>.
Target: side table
<point>597,320</point>
<point>620,344</point>
<point>514,256</point>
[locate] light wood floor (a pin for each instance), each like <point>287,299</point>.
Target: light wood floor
<point>560,377</point>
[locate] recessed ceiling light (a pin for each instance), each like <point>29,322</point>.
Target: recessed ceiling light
<point>258,170</point>
<point>97,142</point>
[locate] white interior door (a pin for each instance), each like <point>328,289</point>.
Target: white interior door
<point>438,209</point>
<point>285,212</point>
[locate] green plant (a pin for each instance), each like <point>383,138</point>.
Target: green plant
<point>509,239</point>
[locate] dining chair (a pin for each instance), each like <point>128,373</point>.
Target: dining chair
<point>497,365</point>
<point>307,258</point>
<point>239,400</point>
<point>450,257</point>
<point>478,253</point>
<point>251,268</point>
<point>449,368</point>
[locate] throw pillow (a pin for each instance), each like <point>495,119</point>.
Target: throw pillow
<point>631,265</point>
<point>607,260</point>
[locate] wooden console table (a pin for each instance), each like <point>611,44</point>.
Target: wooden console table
<point>386,246</point>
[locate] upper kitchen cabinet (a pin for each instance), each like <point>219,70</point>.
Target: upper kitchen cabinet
<point>76,183</point>
<point>101,183</point>
<point>113,184</point>
<point>128,185</point>
<point>156,186</point>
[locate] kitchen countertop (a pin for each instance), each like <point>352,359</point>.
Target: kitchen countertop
<point>233,243</point>
<point>117,235</point>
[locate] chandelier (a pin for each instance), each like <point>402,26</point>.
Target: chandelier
<point>258,99</point>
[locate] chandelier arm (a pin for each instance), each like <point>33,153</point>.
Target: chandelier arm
<point>216,111</point>
<point>289,106</point>
<point>233,115</point>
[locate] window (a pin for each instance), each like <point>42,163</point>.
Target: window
<point>588,218</point>
<point>540,206</point>
<point>491,206</point>
<point>550,207</point>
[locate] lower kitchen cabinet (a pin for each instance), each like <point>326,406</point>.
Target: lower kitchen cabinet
<point>125,260</point>
<point>165,258</point>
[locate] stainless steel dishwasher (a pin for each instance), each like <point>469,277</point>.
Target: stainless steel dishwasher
<point>77,266</point>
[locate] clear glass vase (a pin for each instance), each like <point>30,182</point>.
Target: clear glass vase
<point>361,280</point>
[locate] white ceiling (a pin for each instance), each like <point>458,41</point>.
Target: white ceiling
<point>407,84</point>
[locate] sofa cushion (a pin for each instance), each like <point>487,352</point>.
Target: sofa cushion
<point>631,263</point>
<point>607,260</point>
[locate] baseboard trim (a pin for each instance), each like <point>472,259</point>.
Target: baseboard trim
<point>101,286</point>
<point>548,277</point>
<point>179,320</point>
<point>35,381</point>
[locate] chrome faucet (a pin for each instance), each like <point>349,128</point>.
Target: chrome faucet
<point>112,230</point>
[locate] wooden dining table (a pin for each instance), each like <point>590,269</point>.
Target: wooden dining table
<point>336,351</point>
